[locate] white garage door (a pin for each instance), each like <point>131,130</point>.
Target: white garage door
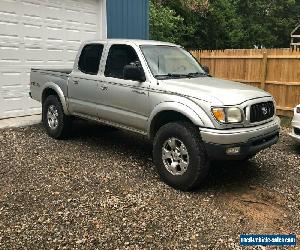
<point>41,34</point>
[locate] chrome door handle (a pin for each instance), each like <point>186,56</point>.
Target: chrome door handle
<point>104,88</point>
<point>75,82</point>
<point>139,92</point>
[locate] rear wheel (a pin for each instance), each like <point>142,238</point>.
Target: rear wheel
<point>57,124</point>
<point>179,155</point>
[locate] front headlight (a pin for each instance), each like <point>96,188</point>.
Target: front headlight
<point>228,114</point>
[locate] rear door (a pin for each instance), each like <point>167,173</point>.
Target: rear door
<point>83,92</point>
<point>126,101</point>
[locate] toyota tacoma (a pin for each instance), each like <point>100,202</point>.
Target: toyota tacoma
<point>159,90</point>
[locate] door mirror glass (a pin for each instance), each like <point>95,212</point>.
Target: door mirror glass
<point>134,72</point>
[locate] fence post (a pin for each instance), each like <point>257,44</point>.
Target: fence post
<point>264,70</point>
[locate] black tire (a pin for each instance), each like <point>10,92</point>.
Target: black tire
<point>62,130</point>
<point>198,163</point>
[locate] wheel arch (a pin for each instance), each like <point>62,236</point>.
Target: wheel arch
<point>52,89</point>
<point>170,112</point>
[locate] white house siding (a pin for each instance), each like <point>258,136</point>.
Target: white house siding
<point>41,34</point>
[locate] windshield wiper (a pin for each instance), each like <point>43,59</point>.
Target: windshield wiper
<point>189,75</point>
<point>170,75</point>
<point>195,74</point>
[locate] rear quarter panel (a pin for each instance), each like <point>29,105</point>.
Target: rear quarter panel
<point>41,79</point>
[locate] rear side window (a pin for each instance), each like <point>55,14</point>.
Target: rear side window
<point>89,59</point>
<point>118,57</point>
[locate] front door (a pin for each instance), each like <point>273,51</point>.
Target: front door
<point>127,102</point>
<point>83,91</point>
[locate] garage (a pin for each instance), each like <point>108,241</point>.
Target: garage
<point>47,34</point>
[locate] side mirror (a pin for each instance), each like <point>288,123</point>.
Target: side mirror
<point>205,68</point>
<point>134,73</point>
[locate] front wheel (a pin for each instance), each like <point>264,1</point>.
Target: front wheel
<point>179,155</point>
<point>57,124</point>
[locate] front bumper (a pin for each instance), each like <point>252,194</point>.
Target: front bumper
<point>248,140</point>
<point>296,125</point>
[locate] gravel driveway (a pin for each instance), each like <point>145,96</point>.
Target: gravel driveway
<point>99,190</point>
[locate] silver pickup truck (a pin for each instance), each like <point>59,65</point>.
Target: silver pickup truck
<point>159,90</point>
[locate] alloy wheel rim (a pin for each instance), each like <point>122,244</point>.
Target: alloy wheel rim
<point>175,156</point>
<point>52,117</point>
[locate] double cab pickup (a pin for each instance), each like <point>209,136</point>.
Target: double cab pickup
<point>159,90</point>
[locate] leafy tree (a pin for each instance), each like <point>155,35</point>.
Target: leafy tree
<point>220,24</point>
<point>268,22</point>
<point>190,11</point>
<point>166,25</point>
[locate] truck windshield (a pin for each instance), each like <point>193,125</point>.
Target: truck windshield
<point>171,62</point>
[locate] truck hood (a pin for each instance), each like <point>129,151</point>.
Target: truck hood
<point>213,90</point>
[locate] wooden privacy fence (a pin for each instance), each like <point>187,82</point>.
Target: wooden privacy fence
<point>274,70</point>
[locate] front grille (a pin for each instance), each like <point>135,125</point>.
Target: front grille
<point>261,111</point>
<point>297,131</point>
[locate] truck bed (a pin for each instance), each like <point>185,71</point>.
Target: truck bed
<point>39,78</point>
<point>64,71</point>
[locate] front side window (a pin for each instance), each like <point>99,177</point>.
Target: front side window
<point>89,59</point>
<point>118,57</point>
<point>171,61</point>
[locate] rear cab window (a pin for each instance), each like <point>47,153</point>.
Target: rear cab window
<point>90,57</point>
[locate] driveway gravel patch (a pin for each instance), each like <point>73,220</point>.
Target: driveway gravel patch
<point>99,190</point>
